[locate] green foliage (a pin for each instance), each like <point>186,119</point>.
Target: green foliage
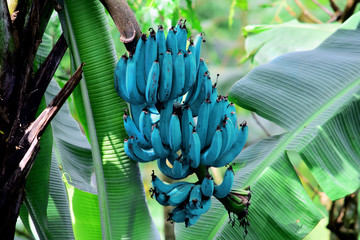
<point>313,95</point>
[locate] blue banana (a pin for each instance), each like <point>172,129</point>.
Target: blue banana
<point>166,77</point>
<point>135,111</point>
<point>206,87</point>
<point>198,40</point>
<point>213,95</point>
<point>145,124</point>
<point>179,194</point>
<point>194,149</point>
<point>171,43</point>
<point>178,25</point>
<point>198,84</point>
<point>175,132</point>
<point>214,120</point>
<point>132,130</point>
<point>190,72</point>
<point>178,214</point>
<point>231,113</point>
<point>222,190</point>
<point>204,207</point>
<point>191,219</point>
<point>160,150</point>
<point>228,135</point>
<point>207,186</point>
<point>139,57</point>
<point>167,171</point>
<point>181,36</point>
<point>202,122</point>
<point>235,149</point>
<point>187,123</point>
<point>195,197</point>
<point>152,83</point>
<point>131,87</point>
<point>120,78</point>
<point>225,103</point>
<point>161,44</point>
<point>165,117</point>
<point>162,198</point>
<point>178,76</point>
<point>150,52</point>
<point>210,155</point>
<point>162,187</point>
<point>136,153</point>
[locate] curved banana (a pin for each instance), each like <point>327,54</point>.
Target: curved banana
<point>210,155</point>
<point>152,83</point>
<point>167,171</point>
<point>204,207</point>
<point>139,57</point>
<point>162,187</point>
<point>181,36</point>
<point>198,40</point>
<point>207,186</point>
<point>190,72</point>
<point>222,190</point>
<point>179,194</point>
<point>166,77</point>
<point>191,219</point>
<point>198,84</point>
<point>145,124</point>
<point>195,197</point>
<point>214,121</point>
<point>231,113</point>
<point>228,135</point>
<point>175,133</point>
<point>165,117</point>
<point>160,150</point>
<point>132,130</point>
<point>187,123</point>
<point>162,198</point>
<point>171,43</point>
<point>202,122</point>
<point>150,52</point>
<point>131,87</point>
<point>136,153</point>
<point>177,167</point>
<point>178,76</point>
<point>135,111</point>
<point>178,214</point>
<point>235,149</point>
<point>161,44</point>
<point>214,95</point>
<point>120,78</point>
<point>194,149</point>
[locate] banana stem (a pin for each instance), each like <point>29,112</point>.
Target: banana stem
<point>201,172</point>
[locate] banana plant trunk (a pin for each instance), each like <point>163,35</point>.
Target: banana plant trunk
<point>21,91</point>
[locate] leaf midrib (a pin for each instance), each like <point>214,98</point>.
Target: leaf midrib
<point>284,143</point>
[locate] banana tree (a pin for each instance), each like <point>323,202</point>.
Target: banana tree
<point>295,91</point>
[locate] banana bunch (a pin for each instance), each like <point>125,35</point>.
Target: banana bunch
<point>160,68</point>
<point>190,200</point>
<point>177,118</point>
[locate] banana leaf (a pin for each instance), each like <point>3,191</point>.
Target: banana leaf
<point>266,42</point>
<point>314,95</point>
<point>123,206</point>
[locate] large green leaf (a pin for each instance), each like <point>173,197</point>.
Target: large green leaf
<point>124,200</point>
<point>314,95</point>
<point>266,42</point>
<point>280,207</point>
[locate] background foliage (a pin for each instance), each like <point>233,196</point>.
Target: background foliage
<point>240,35</point>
